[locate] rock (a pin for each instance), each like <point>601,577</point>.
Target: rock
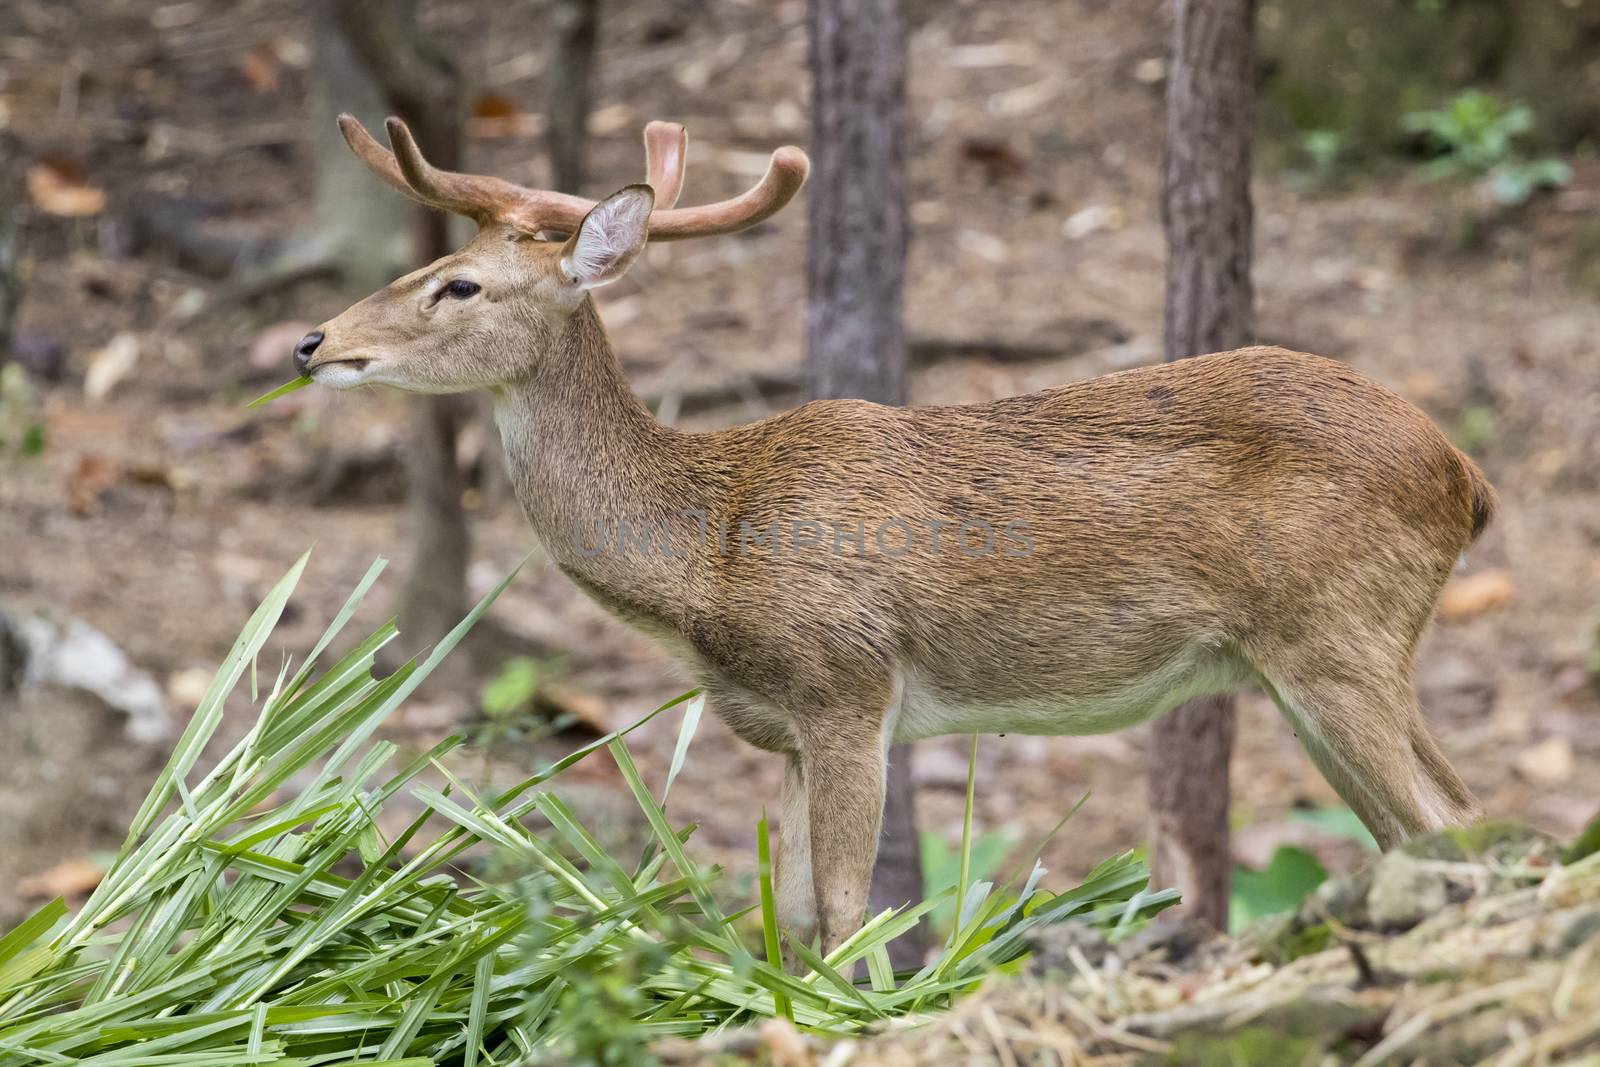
<point>1344,900</point>
<point>1405,890</point>
<point>72,654</point>
<point>1504,842</point>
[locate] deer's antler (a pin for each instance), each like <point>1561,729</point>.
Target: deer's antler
<point>489,200</point>
<point>666,153</point>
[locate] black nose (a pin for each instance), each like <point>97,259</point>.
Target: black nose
<point>303,351</point>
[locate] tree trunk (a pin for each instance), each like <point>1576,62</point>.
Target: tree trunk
<point>569,89</point>
<point>856,253</point>
<point>13,213</point>
<point>360,233</point>
<point>1206,209</point>
<point>856,201</point>
<point>425,88</point>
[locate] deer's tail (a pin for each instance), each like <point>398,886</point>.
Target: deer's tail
<point>1480,494</point>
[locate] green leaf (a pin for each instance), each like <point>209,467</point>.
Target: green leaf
<point>33,439</point>
<point>1290,876</point>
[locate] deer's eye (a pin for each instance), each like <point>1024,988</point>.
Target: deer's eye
<point>460,289</point>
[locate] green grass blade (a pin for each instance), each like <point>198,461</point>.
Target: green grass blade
<point>482,976</point>
<point>209,713</point>
<point>283,390</point>
<point>30,930</point>
<point>769,912</point>
<point>966,845</point>
<point>665,835</point>
<point>686,732</point>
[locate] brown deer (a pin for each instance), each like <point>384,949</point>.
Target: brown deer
<point>845,575</point>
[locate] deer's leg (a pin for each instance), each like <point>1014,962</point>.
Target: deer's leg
<point>844,782</point>
<point>1365,732</point>
<point>797,898</point>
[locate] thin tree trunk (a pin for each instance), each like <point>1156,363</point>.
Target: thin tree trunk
<point>856,275</point>
<point>359,233</point>
<point>856,201</point>
<point>425,88</point>
<point>569,82</point>
<point>13,214</point>
<point>1206,208</point>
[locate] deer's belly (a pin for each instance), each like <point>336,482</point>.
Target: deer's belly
<point>926,710</point>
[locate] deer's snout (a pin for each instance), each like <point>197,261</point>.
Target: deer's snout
<point>305,349</point>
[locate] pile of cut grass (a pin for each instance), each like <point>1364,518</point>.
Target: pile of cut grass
<point>257,914</point>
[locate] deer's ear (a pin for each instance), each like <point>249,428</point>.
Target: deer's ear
<point>610,238</point>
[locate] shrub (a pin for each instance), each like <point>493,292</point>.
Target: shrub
<point>1474,136</point>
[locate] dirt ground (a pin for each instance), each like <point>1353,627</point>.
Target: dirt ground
<point>162,511</point>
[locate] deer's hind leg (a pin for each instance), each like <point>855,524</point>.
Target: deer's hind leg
<point>1359,719</point>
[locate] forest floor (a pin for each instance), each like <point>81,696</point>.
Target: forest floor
<point>160,509</point>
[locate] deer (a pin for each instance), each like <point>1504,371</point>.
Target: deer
<point>844,575</point>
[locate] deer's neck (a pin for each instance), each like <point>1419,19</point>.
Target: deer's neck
<point>596,475</point>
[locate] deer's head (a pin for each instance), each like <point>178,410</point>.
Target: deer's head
<point>484,315</point>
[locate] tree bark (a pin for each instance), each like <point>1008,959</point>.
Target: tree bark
<point>569,82</point>
<point>1205,180</point>
<point>856,254</point>
<point>361,234</point>
<point>13,215</point>
<point>424,86</point>
<point>856,202</point>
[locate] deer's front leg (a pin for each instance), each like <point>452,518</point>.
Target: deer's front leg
<point>797,899</point>
<point>844,786</point>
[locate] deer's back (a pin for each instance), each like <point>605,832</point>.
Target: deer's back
<point>1166,456</point>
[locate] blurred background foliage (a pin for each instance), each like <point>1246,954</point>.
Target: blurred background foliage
<point>1358,66</point>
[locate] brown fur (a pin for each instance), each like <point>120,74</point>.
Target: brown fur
<point>1258,515</point>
